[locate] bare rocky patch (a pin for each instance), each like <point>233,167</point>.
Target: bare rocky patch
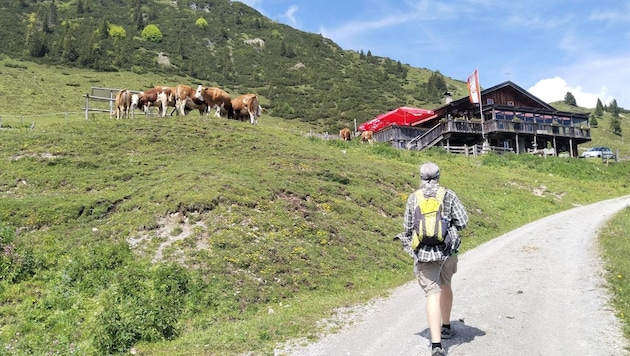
<point>172,229</point>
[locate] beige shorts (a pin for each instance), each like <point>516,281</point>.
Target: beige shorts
<point>433,275</point>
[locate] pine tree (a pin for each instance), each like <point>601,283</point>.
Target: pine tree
<point>569,99</point>
<point>52,14</point>
<point>103,29</point>
<point>138,18</point>
<point>615,122</point>
<point>37,44</point>
<point>69,51</point>
<point>436,86</point>
<point>599,108</point>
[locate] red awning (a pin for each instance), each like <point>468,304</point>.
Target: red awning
<point>403,116</point>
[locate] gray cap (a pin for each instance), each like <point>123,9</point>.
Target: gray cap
<point>429,172</point>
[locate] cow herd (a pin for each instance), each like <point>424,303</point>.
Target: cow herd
<point>183,98</point>
<point>366,136</point>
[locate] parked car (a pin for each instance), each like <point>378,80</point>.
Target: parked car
<point>598,152</point>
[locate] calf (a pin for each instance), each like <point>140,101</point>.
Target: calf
<point>247,105</point>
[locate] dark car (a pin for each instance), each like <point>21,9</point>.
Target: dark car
<point>598,152</point>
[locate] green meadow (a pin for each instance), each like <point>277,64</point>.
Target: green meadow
<point>197,235</point>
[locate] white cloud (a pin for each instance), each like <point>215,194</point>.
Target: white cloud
<point>290,15</point>
<point>555,89</point>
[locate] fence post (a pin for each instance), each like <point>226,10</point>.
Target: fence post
<point>87,105</point>
<point>466,150</point>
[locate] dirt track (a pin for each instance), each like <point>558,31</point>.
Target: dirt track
<point>537,290</point>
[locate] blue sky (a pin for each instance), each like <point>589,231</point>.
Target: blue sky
<point>547,47</point>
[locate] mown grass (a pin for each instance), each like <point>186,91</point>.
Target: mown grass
<point>285,228</point>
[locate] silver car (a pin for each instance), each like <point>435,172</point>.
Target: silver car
<point>598,152</point>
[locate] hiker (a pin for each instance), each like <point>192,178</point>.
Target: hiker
<point>435,259</point>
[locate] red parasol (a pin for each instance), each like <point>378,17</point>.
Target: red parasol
<point>403,116</point>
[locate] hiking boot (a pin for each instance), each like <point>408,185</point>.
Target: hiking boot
<point>438,351</point>
<point>448,333</point>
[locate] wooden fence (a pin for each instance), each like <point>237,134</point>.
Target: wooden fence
<point>103,100</point>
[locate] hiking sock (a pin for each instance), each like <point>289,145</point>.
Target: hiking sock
<point>436,344</point>
<point>448,326</point>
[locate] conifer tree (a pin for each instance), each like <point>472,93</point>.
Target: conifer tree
<point>615,122</point>
<point>599,108</point>
<point>52,14</point>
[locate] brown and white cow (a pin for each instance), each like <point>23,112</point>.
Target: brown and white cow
<point>217,99</point>
<point>367,136</point>
<point>345,134</point>
<point>185,100</point>
<point>247,105</point>
<point>159,96</point>
<point>123,103</point>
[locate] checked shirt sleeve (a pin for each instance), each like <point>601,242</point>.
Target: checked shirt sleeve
<point>457,212</point>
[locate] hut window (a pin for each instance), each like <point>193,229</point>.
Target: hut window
<point>510,103</point>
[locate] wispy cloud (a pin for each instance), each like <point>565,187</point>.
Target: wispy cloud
<point>289,15</point>
<point>611,15</point>
<point>537,22</point>
<point>416,14</point>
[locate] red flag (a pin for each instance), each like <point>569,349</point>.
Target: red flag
<point>473,88</point>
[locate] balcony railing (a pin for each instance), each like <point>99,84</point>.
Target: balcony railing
<point>435,133</point>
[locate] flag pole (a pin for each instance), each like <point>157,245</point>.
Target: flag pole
<point>474,90</point>
<point>483,131</point>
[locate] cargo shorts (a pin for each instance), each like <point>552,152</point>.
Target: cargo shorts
<point>433,275</point>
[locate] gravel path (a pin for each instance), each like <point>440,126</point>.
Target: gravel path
<point>537,290</point>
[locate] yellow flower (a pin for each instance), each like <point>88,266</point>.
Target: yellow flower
<point>619,276</point>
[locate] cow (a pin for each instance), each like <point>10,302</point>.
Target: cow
<point>247,105</point>
<point>216,98</point>
<point>367,136</point>
<point>123,103</point>
<point>345,134</point>
<point>135,101</point>
<point>159,96</point>
<point>185,100</point>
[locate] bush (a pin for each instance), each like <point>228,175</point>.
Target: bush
<point>117,32</point>
<point>141,306</point>
<point>201,22</point>
<point>152,33</point>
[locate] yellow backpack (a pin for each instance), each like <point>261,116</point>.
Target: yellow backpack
<point>430,226</point>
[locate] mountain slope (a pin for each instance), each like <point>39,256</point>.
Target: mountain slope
<point>220,43</point>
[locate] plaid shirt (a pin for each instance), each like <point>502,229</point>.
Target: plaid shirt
<point>456,213</point>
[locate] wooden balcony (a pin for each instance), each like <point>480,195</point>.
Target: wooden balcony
<point>524,135</point>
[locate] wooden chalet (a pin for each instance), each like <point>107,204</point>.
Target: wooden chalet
<point>513,121</point>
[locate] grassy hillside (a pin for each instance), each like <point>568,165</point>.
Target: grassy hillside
<point>181,235</point>
<point>301,76</point>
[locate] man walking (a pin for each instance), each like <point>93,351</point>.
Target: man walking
<point>435,259</point>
